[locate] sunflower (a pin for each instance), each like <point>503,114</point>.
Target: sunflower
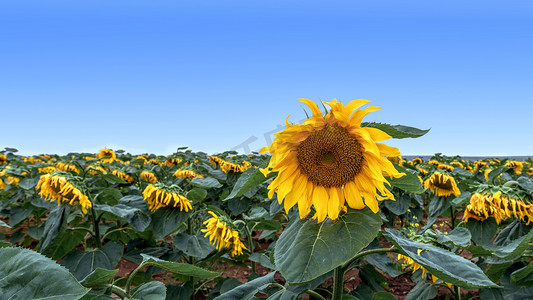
<point>442,184</point>
<point>95,170</point>
<point>422,171</point>
<point>329,160</point>
<point>2,184</point>
<point>187,174</point>
<point>516,165</point>
<point>67,167</point>
<point>529,171</point>
<point>3,159</point>
<point>409,262</point>
<point>456,163</point>
<point>47,169</point>
<point>148,176</point>
<point>122,175</point>
<point>433,162</point>
<point>227,166</point>
<point>482,207</point>
<point>222,235</point>
<point>478,164</point>
<point>106,155</point>
<point>417,160</point>
<point>63,187</point>
<point>159,195</point>
<point>445,167</point>
<point>171,162</point>
<point>155,162</point>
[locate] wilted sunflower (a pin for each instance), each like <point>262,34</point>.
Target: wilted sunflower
<point>409,262</point>
<point>67,167</point>
<point>529,171</point>
<point>433,162</point>
<point>516,165</point>
<point>159,195</point>
<point>106,155</point>
<point>2,184</point>
<point>329,160</point>
<point>63,187</point>
<point>445,167</point>
<point>3,159</point>
<point>417,160</point>
<point>122,175</point>
<point>173,161</point>
<point>456,163</point>
<point>95,170</point>
<point>227,166</point>
<point>478,164</point>
<point>155,162</point>
<point>148,176</point>
<point>442,185</point>
<point>222,235</point>
<point>422,171</point>
<point>187,174</point>
<point>48,169</point>
<point>482,207</point>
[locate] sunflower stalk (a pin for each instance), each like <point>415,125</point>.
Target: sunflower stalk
<point>95,225</point>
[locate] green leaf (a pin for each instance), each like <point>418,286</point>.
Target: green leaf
<point>249,289</point>
<point>438,205</point>
<point>262,259</point>
<point>178,268</point>
<point>196,194</point>
<point>444,264</point>
<point>460,237</point>
<point>207,182</point>
<point>19,214</point>
<point>179,292</point>
<point>494,173</point>
<point>109,196</point>
<point>267,225</point>
<point>247,181</point>
<point>398,206</point>
<point>422,291</point>
<point>397,131</point>
<point>306,250</point>
<point>463,198</point>
<point>98,278</point>
<point>166,220</point>
<point>491,294</point>
<point>137,218</point>
<point>29,183</point>
<point>525,183</point>
<point>2,224</point>
<point>26,274</point>
<point>82,263</point>
<point>409,182</point>
<point>52,227</point>
<point>482,231</point>
<point>383,296</point>
<point>64,243</point>
<point>154,290</point>
<point>514,248</point>
<point>193,245</point>
<point>523,276</point>
<point>113,179</point>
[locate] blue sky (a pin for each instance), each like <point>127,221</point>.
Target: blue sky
<point>150,76</point>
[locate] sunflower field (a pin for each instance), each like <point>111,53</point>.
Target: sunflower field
<point>327,211</point>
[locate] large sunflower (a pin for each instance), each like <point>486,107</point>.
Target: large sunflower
<point>329,160</point>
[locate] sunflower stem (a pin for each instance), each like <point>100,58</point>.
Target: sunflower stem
<point>347,265</point>
<point>457,292</point>
<point>96,228</point>
<point>130,277</point>
<point>83,228</point>
<point>250,244</point>
<point>338,283</point>
<point>314,294</point>
<point>452,220</point>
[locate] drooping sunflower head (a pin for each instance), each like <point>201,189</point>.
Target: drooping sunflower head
<point>516,165</point>
<point>96,169</point>
<point>417,160</point>
<point>106,155</point>
<point>173,161</point>
<point>66,167</point>
<point>458,164</point>
<point>442,184</point>
<point>3,159</point>
<point>223,234</point>
<point>123,175</point>
<point>445,167</point>
<point>529,171</point>
<point>331,160</point>
<point>433,162</point>
<point>2,184</point>
<point>148,176</point>
<point>63,187</point>
<point>186,173</point>
<point>226,165</point>
<point>160,195</point>
<point>47,169</point>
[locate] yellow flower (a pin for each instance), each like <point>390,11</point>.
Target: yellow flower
<point>445,167</point>
<point>57,186</point>
<point>478,164</point>
<point>482,207</point>
<point>516,165</point>
<point>48,169</point>
<point>456,163</point>
<point>417,160</point>
<point>148,176</point>
<point>106,155</point>
<point>155,162</point>
<point>329,160</point>
<point>409,262</point>
<point>159,195</point>
<point>227,166</point>
<point>222,236</point>
<point>422,171</point>
<point>442,185</point>
<point>173,161</point>
<point>2,184</point>
<point>123,176</point>
<point>187,174</point>
<point>529,171</point>
<point>95,170</point>
<point>67,167</point>
<point>433,162</point>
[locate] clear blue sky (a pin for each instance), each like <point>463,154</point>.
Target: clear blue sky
<point>149,76</point>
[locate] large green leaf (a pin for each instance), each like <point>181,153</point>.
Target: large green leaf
<point>82,263</point>
<point>137,218</point>
<point>193,245</point>
<point>409,182</point>
<point>2,224</point>
<point>166,220</point>
<point>26,274</point>
<point>249,289</point>
<point>178,268</point>
<point>514,248</point>
<point>397,131</point>
<point>422,291</point>
<point>459,236</point>
<point>442,263</point>
<point>398,206</point>
<point>247,181</point>
<point>154,290</point>
<point>53,225</point>
<point>306,250</point>
<point>98,278</point>
<point>207,182</point>
<point>482,231</point>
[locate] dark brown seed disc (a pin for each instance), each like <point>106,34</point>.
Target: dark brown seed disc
<point>330,157</point>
